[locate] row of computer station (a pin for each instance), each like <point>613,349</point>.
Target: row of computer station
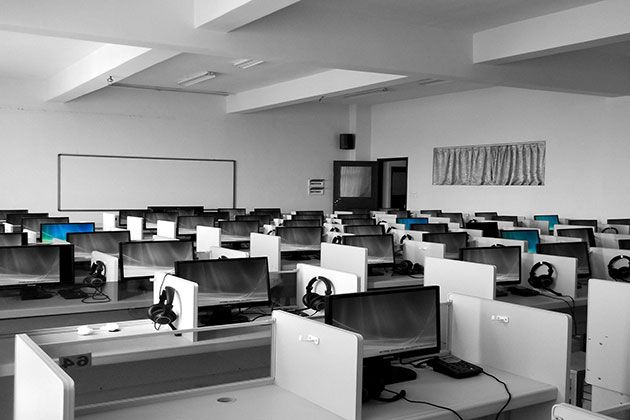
<point>357,314</point>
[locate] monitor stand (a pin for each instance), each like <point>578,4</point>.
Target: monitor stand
<point>222,316</point>
<point>501,291</point>
<point>374,272</point>
<point>34,291</point>
<point>297,256</point>
<point>379,372</point>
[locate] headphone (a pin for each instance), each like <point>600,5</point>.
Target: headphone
<point>541,281</point>
<point>334,229</point>
<point>271,232</point>
<point>313,300</point>
<point>407,268</point>
<point>389,229</point>
<point>97,277</point>
<point>619,273</point>
<point>162,312</point>
<point>405,236</point>
<point>337,239</point>
<point>612,228</point>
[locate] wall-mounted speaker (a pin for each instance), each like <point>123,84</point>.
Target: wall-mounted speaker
<point>346,141</point>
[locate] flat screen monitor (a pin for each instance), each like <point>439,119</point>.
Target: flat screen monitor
<point>310,213</point>
<point>577,250</point>
<point>50,232</point>
<point>408,221</point>
<point>187,225</point>
<point>233,212</point>
<point>274,212</point>
<point>380,248</point>
<point>552,219</point>
<point>261,219</point>
<point>16,218</point>
<point>103,241</point>
<point>3,213</point>
<point>123,214</point>
<point>319,217</point>
<point>487,215</point>
<point>618,221</point>
<point>455,218</point>
<point>433,213</point>
<point>141,259</point>
<point>13,239</point>
<point>624,243</point>
<point>35,223</point>
<point>583,222</point>
<point>302,223</point>
<point>358,222</point>
<point>352,216</point>
<point>237,231</point>
<point>488,229</point>
<point>431,227</point>
<point>218,215</point>
<point>180,210</point>
<point>506,259</point>
<point>152,217</point>
<point>365,229</point>
<point>502,218</point>
<point>453,241</point>
<point>36,265</point>
<point>531,236</point>
<point>299,239</point>
<point>584,234</point>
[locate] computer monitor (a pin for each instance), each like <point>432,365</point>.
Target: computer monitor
<point>180,210</point>
<point>261,219</point>
<point>453,241</point>
<point>300,239</point>
<point>401,214</point>
<point>624,243</point>
<point>151,217</point>
<point>506,259</point>
<point>233,212</point>
<point>553,219</point>
<point>13,239</point>
<point>434,213</point>
<point>141,259</point>
<point>17,218</point>
<point>302,222</point>
<point>124,213</point>
<point>380,249</point>
<point>584,234</point>
<point>49,232</point>
<point>365,229</point>
<point>502,218</point>
<point>395,323</point>
<point>237,231</point>
<point>319,217</point>
<point>531,236</point>
<point>618,221</point>
<point>358,222</point>
<point>319,213</point>
<point>577,250</point>
<point>454,218</point>
<point>488,229</point>
<point>3,213</point>
<point>218,215</point>
<point>228,283</point>
<point>352,216</point>
<point>431,227</point>
<point>583,222</point>
<point>103,241</point>
<point>35,223</point>
<point>274,212</point>
<point>487,215</point>
<point>408,221</point>
<point>187,225</point>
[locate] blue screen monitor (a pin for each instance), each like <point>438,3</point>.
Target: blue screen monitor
<point>531,236</point>
<point>51,231</point>
<point>408,221</point>
<point>553,219</point>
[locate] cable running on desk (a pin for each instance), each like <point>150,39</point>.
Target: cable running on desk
<point>427,403</point>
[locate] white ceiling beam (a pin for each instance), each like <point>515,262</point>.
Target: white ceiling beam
<point>574,29</point>
<point>305,89</point>
<point>228,15</point>
<point>93,71</point>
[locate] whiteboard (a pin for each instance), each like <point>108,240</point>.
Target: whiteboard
<point>100,183</point>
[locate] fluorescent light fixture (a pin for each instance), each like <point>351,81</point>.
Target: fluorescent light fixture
<point>245,63</point>
<point>197,78</point>
<point>430,81</point>
<point>367,92</point>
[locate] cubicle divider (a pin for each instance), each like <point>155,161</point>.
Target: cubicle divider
<point>186,302</point>
<point>349,259</point>
<point>502,224</point>
<point>565,272</point>
<point>600,257</point>
<point>8,227</point>
<point>541,225</point>
<point>398,234</point>
<point>111,265</point>
<point>622,229</point>
<point>388,218</point>
<point>461,277</point>
<point>418,251</point>
<point>166,229</point>
<point>609,240</point>
<point>571,412</point>
<point>31,236</point>
<point>485,241</point>
<point>109,221</point>
<point>261,245</point>
<point>341,282</point>
<point>207,237</point>
<point>135,226</point>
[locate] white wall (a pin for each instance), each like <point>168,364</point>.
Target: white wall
<point>276,151</point>
<point>588,157</point>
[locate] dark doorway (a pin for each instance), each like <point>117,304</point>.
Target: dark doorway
<point>393,183</point>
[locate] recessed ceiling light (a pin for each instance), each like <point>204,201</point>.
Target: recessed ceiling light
<point>197,78</point>
<point>245,63</point>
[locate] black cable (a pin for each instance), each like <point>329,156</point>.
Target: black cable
<point>506,390</point>
<point>571,309</point>
<point>259,316</point>
<point>426,403</point>
<point>97,297</point>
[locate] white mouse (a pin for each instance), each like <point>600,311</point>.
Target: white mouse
<point>84,330</point>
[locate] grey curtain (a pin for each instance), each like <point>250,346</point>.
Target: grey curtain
<point>494,164</point>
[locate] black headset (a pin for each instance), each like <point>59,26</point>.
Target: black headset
<point>97,277</point>
<point>313,300</point>
<point>541,281</point>
<point>405,236</point>
<point>407,268</point>
<point>334,229</point>
<point>337,239</point>
<point>619,273</point>
<point>389,229</point>
<point>271,232</point>
<point>162,312</point>
<point>612,228</point>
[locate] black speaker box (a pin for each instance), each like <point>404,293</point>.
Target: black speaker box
<point>346,141</point>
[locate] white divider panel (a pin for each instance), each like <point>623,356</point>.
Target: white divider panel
<point>207,237</point>
<point>31,236</point>
<point>166,229</point>
<point>342,212</point>
<point>109,221</point>
<point>349,259</point>
<point>608,343</point>
<point>600,257</point>
<point>530,342</point>
<point>571,412</point>
<point>111,266</point>
<point>440,220</point>
<point>135,225</point>
<point>416,235</point>
<point>565,271</point>
<point>622,229</point>
<point>609,240</point>
<point>8,227</point>
<point>332,235</point>
<point>342,282</point>
<point>268,228</point>
<point>217,252</point>
<point>462,277</point>
<point>185,302</point>
<point>485,241</point>
<point>418,251</point>
<point>504,225</point>
<point>262,245</point>
<point>541,225</point>
<point>329,226</point>
<point>42,389</point>
<point>389,218</point>
<point>318,362</point>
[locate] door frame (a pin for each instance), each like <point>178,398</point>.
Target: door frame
<point>381,166</point>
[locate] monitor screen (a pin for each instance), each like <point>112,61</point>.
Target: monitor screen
<point>51,231</point>
<point>3,213</point>
<point>583,222</point>
<point>434,213</point>
<point>300,238</point>
<point>16,218</point>
<point>302,223</point>
<point>530,235</point>
<point>13,239</point>
<point>454,218</point>
<point>237,231</point>
<point>274,212</point>
<point>624,243</point>
<point>36,264</point>
<point>487,215</point>
<point>103,241</point>
<point>142,259</point>
<point>584,234</point>
<point>180,210</point>
<point>577,250</point>
<point>319,213</point>
<point>488,229</point>
<point>551,218</point>
<point>401,322</point>
<point>352,216</point>
<point>513,219</point>
<point>152,217</point>
<point>234,282</point>
<point>506,259</point>
<point>618,221</point>
<point>218,215</point>
<point>431,227</point>
<point>454,241</point>
<point>358,222</point>
<point>123,214</point>
<point>319,217</point>
<point>187,225</point>
<point>380,248</point>
<point>261,219</point>
<point>233,212</point>
<point>408,221</point>
<point>35,223</point>
<point>365,229</point>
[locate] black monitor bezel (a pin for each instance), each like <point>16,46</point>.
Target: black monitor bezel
<point>378,265</point>
<point>262,219</point>
<point>462,234</point>
<point>355,222</point>
<point>41,228</point>
<point>485,214</point>
<point>618,221</point>
<point>484,232</point>
<point>4,213</point>
<point>121,262</point>
<point>590,233</point>
<point>506,218</point>
<point>382,228</point>
<point>137,213</point>
<point>176,209</point>
<point>22,216</point>
<point>561,244</point>
<point>584,222</point>
<point>625,243</point>
<point>519,253</point>
<point>458,215</point>
<point>280,229</point>
<point>443,225</point>
<point>432,213</point>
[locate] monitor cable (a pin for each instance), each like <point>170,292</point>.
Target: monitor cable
<point>506,390</point>
<point>402,395</point>
<point>571,306</point>
<point>98,296</point>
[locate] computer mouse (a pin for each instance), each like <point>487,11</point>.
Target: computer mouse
<point>110,327</point>
<point>84,330</point>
